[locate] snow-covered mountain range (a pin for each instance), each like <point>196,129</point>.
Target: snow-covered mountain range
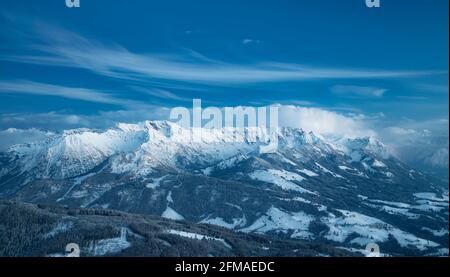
<point>340,191</point>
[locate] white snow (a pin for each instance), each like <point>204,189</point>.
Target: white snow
<point>79,180</point>
<point>405,209</point>
<point>79,194</point>
<point>300,199</point>
<point>94,193</point>
<point>362,197</point>
<point>76,182</point>
<point>391,203</point>
<point>169,144</point>
<point>308,172</point>
<point>236,222</point>
<point>378,163</point>
<point>280,178</point>
<point>67,192</point>
<point>156,182</point>
<point>278,220</point>
<point>169,198</point>
<point>430,196</point>
<point>207,171</point>
<point>318,206</point>
<point>400,211</point>
<point>171,214</point>
<point>231,161</point>
<point>286,160</point>
<point>369,229</point>
<point>353,171</point>
<point>343,167</point>
<point>61,227</point>
<point>429,202</point>
<point>363,252</point>
<point>355,156</point>
<point>197,236</point>
<point>428,208</point>
<point>12,136</point>
<point>329,171</point>
<point>389,174</point>
<point>75,152</point>
<point>109,246</point>
<point>437,233</point>
<point>140,148</point>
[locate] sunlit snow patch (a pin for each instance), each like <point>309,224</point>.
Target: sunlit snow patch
<point>236,222</point>
<point>109,246</point>
<point>170,213</point>
<point>280,221</point>
<point>369,229</point>
<point>197,237</point>
<point>280,178</point>
<point>308,172</point>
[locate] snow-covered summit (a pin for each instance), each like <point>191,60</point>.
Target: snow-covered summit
<point>357,148</point>
<point>143,146</point>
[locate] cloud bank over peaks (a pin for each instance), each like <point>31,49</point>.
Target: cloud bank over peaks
<point>324,122</point>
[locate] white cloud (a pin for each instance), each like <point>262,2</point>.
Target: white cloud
<point>422,144</point>
<point>161,93</point>
<point>351,91</point>
<point>433,88</point>
<point>398,131</point>
<point>318,120</point>
<point>13,136</point>
<point>58,121</point>
<point>57,47</point>
<point>323,122</point>
<point>415,142</point>
<point>249,40</point>
<point>84,94</point>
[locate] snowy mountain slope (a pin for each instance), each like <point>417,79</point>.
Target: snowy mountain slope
<point>10,137</point>
<point>340,191</point>
<point>39,230</point>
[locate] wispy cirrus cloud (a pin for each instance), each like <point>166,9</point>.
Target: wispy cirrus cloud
<point>433,88</point>
<point>54,46</point>
<point>161,93</point>
<point>249,41</point>
<point>60,120</point>
<point>74,93</point>
<point>352,91</point>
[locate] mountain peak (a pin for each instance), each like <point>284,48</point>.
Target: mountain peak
<point>153,143</point>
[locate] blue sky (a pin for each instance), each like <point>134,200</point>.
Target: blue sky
<point>113,61</point>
